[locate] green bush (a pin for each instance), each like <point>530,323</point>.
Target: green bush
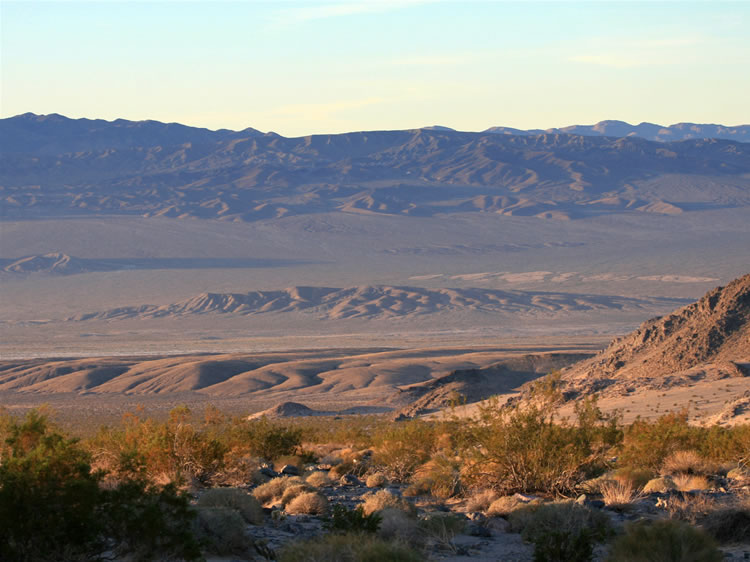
<point>664,541</point>
<point>52,505</point>
<point>538,523</point>
<point>345,520</point>
<point>348,548</point>
<point>564,546</point>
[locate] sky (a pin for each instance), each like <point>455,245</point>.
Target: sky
<point>300,68</point>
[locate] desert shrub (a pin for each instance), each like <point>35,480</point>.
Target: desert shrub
<point>620,495</point>
<point>266,439</point>
<point>176,449</point>
<point>342,469</point>
<point>233,498</point>
<point>348,548</point>
<point>442,528</point>
<point>376,480</point>
<point>535,522</point>
<point>728,524</point>
<point>647,443</point>
<point>504,506</point>
<point>421,488</point>
<point>397,525</point>
<point>686,462</point>
<point>440,475</point>
<point>308,503</point>
<point>561,531</point>
<point>404,446</point>
<point>51,503</point>
<point>664,541</point>
<point>635,476</point>
<point>238,469</point>
<point>319,479</point>
<point>274,488</point>
<point>345,520</point>
<point>222,530</point>
<point>524,449</point>
<point>480,500</point>
<point>564,546</point>
<point>382,499</point>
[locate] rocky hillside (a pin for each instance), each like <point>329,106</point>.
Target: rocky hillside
<point>468,386</point>
<point>707,339</point>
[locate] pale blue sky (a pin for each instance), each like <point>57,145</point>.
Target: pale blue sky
<point>323,67</point>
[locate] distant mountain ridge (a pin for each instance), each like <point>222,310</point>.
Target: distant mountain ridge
<point>648,131</point>
<point>55,134</point>
<point>380,301</point>
<point>54,166</point>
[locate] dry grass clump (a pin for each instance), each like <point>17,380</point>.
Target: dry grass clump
<point>504,506</point>
<point>441,528</point>
<point>480,500</point>
<point>308,503</point>
<point>620,495</point>
<point>234,498</point>
<point>659,485</point>
<point>686,462</point>
<point>376,480</point>
<point>319,479</point>
<point>738,473</point>
<point>689,507</point>
<point>690,482</point>
<point>382,499</point>
<point>296,490</point>
<point>274,489</point>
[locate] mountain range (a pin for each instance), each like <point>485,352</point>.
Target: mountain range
<point>54,166</point>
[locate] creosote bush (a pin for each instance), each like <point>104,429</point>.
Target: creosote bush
<point>524,449</point>
<point>52,504</point>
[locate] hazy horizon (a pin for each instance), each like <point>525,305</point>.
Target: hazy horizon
<point>299,68</point>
